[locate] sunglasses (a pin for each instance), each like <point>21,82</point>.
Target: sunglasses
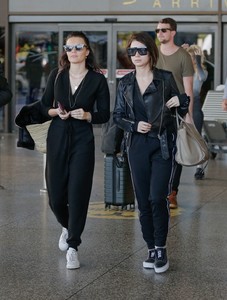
<point>78,47</point>
<point>162,30</point>
<point>141,51</point>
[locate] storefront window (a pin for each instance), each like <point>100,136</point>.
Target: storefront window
<point>36,55</point>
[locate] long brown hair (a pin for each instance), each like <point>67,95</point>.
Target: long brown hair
<point>90,62</point>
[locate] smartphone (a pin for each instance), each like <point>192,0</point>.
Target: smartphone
<point>61,108</point>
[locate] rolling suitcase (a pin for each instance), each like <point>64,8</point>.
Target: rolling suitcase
<point>118,189</point>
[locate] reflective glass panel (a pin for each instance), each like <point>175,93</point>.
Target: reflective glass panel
<point>36,55</point>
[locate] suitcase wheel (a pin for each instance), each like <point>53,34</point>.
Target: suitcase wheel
<point>132,207</point>
<point>124,207</point>
<point>107,206</point>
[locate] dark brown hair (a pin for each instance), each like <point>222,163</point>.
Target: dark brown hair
<point>90,60</point>
<point>171,22</point>
<point>144,38</point>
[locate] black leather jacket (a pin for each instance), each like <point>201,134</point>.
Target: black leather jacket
<point>29,114</point>
<point>157,94</point>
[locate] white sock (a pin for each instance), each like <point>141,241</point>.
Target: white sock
<point>156,247</point>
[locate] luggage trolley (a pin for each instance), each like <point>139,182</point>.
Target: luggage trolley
<point>215,123</point>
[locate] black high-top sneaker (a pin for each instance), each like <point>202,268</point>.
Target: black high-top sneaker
<point>149,262</point>
<point>161,261</point>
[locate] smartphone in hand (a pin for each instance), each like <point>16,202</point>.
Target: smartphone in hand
<point>61,107</point>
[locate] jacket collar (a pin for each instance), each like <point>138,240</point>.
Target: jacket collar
<point>129,81</point>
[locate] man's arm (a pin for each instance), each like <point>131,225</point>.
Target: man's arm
<point>224,104</point>
<point>188,88</point>
<point>224,101</point>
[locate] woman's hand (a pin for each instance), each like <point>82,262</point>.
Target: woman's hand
<point>63,114</point>
<point>185,45</point>
<point>143,127</point>
<point>80,114</point>
<point>198,52</point>
<point>173,102</point>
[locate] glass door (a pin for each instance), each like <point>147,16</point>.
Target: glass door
<point>35,54</point>
<point>38,48</point>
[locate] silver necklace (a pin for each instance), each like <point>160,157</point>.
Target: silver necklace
<point>76,80</point>
<point>75,84</point>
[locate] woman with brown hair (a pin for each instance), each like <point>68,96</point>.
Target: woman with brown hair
<point>76,87</point>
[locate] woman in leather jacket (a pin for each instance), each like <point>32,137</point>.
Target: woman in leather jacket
<point>145,107</point>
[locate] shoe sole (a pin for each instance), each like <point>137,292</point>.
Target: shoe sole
<point>199,177</point>
<point>71,267</point>
<point>162,269</point>
<point>148,265</point>
<point>172,206</point>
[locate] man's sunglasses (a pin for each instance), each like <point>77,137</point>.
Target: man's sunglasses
<point>162,30</point>
<point>141,51</point>
<point>78,47</point>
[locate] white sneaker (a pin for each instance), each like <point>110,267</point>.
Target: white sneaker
<point>72,259</point>
<point>62,244</point>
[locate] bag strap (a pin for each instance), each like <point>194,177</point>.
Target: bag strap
<point>179,118</point>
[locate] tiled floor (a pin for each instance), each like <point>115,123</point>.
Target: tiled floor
<point>112,251</point>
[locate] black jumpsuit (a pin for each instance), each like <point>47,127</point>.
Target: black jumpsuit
<point>70,148</point>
